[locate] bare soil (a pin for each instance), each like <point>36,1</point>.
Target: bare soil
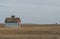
<point>31,31</point>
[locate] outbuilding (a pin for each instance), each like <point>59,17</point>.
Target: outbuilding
<point>12,22</point>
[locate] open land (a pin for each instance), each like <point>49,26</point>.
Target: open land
<point>31,31</point>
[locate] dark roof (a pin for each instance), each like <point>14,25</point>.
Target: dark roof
<point>11,20</point>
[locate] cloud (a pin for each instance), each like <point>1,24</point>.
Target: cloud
<point>38,11</point>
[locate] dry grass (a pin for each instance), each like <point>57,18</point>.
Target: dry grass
<point>31,32</point>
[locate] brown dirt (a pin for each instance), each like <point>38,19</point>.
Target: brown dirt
<point>31,31</point>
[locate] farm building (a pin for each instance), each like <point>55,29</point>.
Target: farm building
<point>12,22</point>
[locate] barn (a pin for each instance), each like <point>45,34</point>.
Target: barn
<point>12,22</point>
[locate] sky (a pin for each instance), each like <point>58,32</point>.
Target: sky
<point>31,11</point>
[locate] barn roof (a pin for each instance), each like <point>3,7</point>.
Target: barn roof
<point>11,20</point>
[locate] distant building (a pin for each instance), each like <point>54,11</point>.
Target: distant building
<point>12,22</point>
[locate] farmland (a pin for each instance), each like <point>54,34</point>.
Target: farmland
<point>31,31</point>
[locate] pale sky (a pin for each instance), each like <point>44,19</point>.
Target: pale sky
<point>31,11</point>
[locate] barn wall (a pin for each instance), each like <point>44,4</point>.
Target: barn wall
<point>11,25</point>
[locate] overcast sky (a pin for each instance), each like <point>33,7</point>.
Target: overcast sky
<point>31,11</point>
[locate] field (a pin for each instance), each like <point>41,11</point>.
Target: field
<point>31,31</point>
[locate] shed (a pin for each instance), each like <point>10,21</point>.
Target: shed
<point>12,22</point>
